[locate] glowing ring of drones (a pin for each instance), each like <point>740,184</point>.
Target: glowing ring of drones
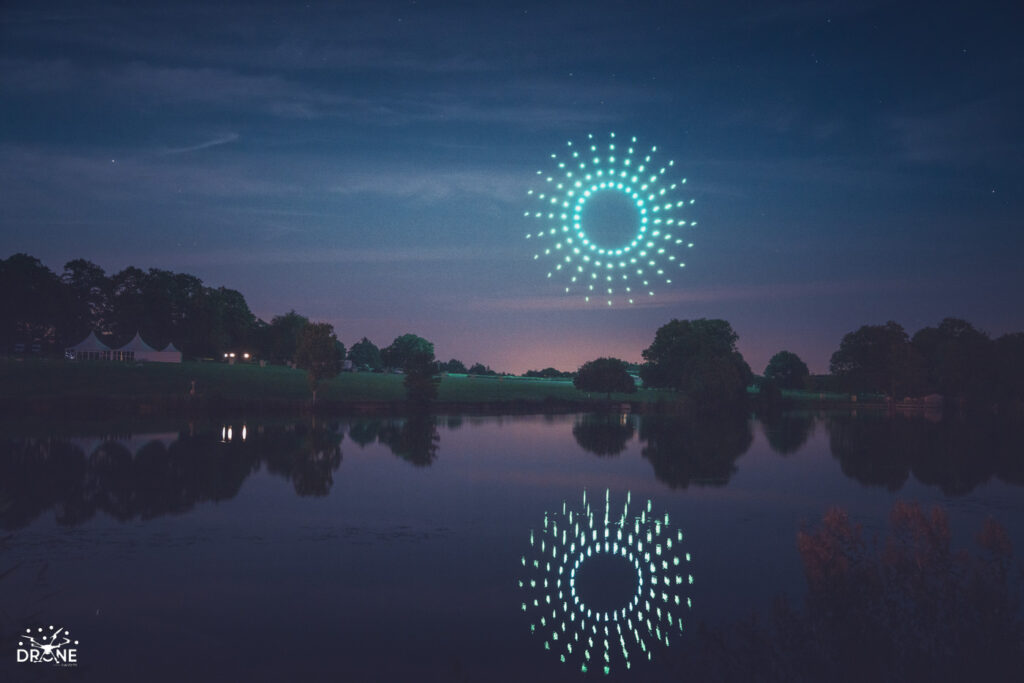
<point>603,271</point>
<point>627,554</point>
<point>603,640</point>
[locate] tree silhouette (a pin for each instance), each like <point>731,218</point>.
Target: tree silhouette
<point>877,358</point>
<point>605,376</point>
<point>404,349</point>
<point>958,359</point>
<point>365,354</point>
<point>421,378</point>
<point>787,370</point>
<point>317,354</point>
<point>700,359</point>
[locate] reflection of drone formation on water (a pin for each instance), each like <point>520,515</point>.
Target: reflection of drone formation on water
<point>560,614</point>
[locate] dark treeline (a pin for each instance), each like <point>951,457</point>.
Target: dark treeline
<point>49,311</point>
<point>44,311</point>
<point>953,359</point>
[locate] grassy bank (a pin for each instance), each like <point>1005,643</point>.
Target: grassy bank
<point>42,380</point>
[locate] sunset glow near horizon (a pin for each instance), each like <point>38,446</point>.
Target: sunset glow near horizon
<point>367,163</point>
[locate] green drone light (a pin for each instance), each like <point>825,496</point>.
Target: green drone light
<point>605,639</point>
<point>659,237</point>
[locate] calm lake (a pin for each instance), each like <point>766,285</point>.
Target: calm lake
<point>537,548</point>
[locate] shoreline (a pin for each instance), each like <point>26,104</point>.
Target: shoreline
<point>92,407</point>
<point>103,390</point>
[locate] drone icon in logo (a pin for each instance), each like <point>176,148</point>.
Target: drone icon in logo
<point>47,647</point>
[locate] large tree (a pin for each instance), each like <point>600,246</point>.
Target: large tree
<point>34,307</point>
<point>89,288</point>
<point>454,366</point>
<point>365,354</point>
<point>700,359</point>
<point>170,307</point>
<point>281,337</point>
<point>161,305</point>
<point>787,370</point>
<point>550,373</point>
<point>404,348</point>
<point>877,358</point>
<point>421,378</point>
<point>957,358</point>
<point>317,354</point>
<point>1009,359</point>
<point>605,376</point>
<point>127,304</point>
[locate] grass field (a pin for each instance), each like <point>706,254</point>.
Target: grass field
<point>34,378</point>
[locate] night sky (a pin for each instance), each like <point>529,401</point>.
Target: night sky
<point>367,163</point>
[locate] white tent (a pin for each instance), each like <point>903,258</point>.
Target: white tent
<point>134,350</point>
<point>90,348</point>
<point>168,355</point>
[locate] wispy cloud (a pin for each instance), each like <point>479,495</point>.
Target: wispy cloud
<point>674,297</point>
<point>974,131</point>
<point>98,177</point>
<point>215,142</point>
<point>533,103</point>
<point>340,256</point>
<point>370,37</point>
<point>430,184</point>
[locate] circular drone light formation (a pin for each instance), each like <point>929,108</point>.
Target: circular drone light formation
<point>563,617</point>
<point>628,269</point>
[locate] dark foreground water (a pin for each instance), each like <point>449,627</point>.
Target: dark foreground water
<point>513,549</point>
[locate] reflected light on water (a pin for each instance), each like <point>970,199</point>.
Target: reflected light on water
<point>227,434</point>
<point>564,616</point>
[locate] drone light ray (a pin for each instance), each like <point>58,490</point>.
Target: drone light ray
<point>628,270</point>
<point>602,640</point>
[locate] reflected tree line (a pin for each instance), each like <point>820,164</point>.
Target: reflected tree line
<point>159,478</point>
<point>414,439</point>
<point>954,455</point>
<point>683,450</point>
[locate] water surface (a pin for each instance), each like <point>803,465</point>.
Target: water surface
<point>393,549</point>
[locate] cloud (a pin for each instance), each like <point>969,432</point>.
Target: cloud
<point>432,185</point>
<point>534,103</point>
<point>662,299</point>
<point>176,173</point>
<point>133,176</point>
<point>971,132</point>
<point>222,140</point>
<point>355,37</point>
<point>339,256</point>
